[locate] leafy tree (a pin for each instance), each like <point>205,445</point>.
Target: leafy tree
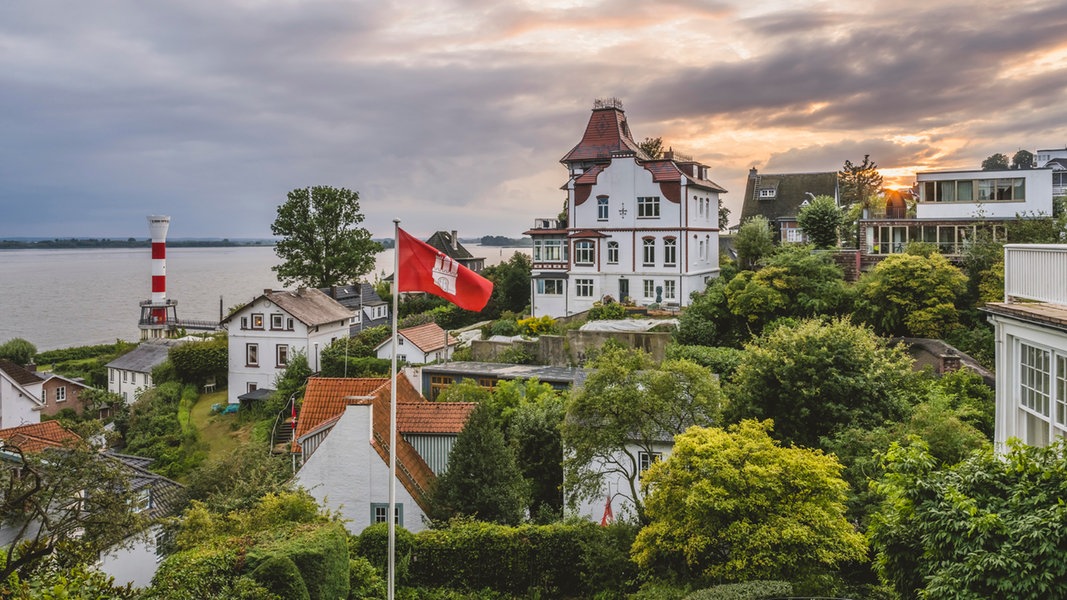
<point>820,220</point>
<point>625,406</point>
<point>653,147</point>
<point>735,505</point>
<point>511,286</point>
<point>989,527</point>
<point>996,162</point>
<point>18,351</point>
<point>859,182</point>
<point>814,378</point>
<point>321,242</point>
<point>534,434</point>
<point>906,294</point>
<point>1023,159</point>
<point>793,283</point>
<point>240,480</point>
<point>155,430</point>
<point>72,499</point>
<point>482,479</point>
<point>198,362</point>
<point>708,320</point>
<point>753,241</point>
<point>724,216</point>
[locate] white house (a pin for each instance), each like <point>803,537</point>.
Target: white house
<point>952,206</point>
<point>264,333</point>
<point>419,345</point>
<point>1030,329</point>
<point>131,373</point>
<point>615,481</point>
<point>20,395</point>
<point>638,228</point>
<point>1055,159</point>
<point>342,447</point>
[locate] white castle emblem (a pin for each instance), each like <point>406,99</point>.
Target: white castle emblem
<point>445,271</point>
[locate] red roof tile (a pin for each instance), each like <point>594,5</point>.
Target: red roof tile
<point>606,132</point>
<point>428,337</point>
<point>327,397</point>
<point>38,436</point>
<point>432,417</point>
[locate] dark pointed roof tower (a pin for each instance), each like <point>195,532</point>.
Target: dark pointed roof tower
<point>606,133</point>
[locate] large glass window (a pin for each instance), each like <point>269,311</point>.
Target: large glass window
<point>975,190</point>
<point>650,288</point>
<point>1034,379</point>
<point>670,252</point>
<point>602,208</point>
<point>252,355</point>
<point>550,287</point>
<point>613,253</point>
<point>648,207</point>
<point>648,251</point>
<point>583,288</point>
<point>584,253</point>
<point>669,289</point>
<point>549,250</point>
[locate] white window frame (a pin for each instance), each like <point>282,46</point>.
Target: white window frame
<point>670,252</point>
<point>648,252</point>
<point>585,253</point>
<point>281,355</point>
<point>61,393</point>
<point>583,288</point>
<point>613,253</point>
<point>251,355</point>
<point>550,251</point>
<point>380,510</point>
<point>669,289</point>
<point>766,193</point>
<point>257,321</point>
<point>649,288</point>
<point>648,207</point>
<point>602,208</point>
<point>550,287</point>
<point>645,460</point>
<point>277,321</point>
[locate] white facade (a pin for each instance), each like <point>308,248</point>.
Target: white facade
<point>984,194</point>
<point>135,561</point>
<point>127,383</point>
<point>1030,329</point>
<point>347,475</point>
<point>263,336</point>
<point>19,404</point>
<point>617,486</point>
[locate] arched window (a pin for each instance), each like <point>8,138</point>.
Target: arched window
<point>584,253</point>
<point>649,254</point>
<point>670,252</point>
<point>602,208</point>
<point>613,253</point>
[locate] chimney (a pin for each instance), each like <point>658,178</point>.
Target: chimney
<point>267,291</point>
<point>455,240</point>
<point>752,172</point>
<point>333,292</point>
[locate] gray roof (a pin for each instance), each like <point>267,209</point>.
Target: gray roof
<point>167,496</point>
<point>19,374</point>
<point>354,295</point>
<point>790,192</point>
<point>144,357</point>
<point>307,305</point>
<point>547,374</point>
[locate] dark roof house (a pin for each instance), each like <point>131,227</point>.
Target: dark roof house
<point>362,300</point>
<point>780,196</point>
<point>448,243</point>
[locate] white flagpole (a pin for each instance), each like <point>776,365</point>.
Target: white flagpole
<point>391,587</point>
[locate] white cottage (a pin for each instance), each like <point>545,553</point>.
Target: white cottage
<point>1030,329</point>
<point>267,331</point>
<point>131,373</point>
<point>20,395</point>
<point>342,447</point>
<point>638,228</point>
<point>419,345</point>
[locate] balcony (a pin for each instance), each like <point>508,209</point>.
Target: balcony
<point>1033,272</point>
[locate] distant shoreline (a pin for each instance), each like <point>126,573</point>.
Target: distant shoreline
<point>82,244</point>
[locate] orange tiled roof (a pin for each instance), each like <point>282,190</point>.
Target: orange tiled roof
<point>428,337</point>
<point>327,397</point>
<point>412,470</point>
<point>432,417</point>
<point>38,436</point>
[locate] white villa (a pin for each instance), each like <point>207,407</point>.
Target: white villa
<point>638,228</point>
<point>264,333</point>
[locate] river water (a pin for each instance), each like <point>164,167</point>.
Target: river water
<point>61,298</point>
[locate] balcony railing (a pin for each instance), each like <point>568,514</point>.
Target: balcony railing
<point>1035,272</point>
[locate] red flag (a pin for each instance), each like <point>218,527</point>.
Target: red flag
<point>609,515</point>
<point>424,268</point>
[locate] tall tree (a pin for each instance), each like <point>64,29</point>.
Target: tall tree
<point>814,378</point>
<point>735,505</point>
<point>909,294</point>
<point>753,241</point>
<point>996,162</point>
<point>511,285</point>
<point>653,147</point>
<point>18,351</point>
<point>321,242</point>
<point>482,479</point>
<point>859,182</point>
<point>627,406</point>
<point>820,220</point>
<point>1023,159</point>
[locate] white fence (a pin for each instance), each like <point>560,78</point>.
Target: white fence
<point>1036,272</point>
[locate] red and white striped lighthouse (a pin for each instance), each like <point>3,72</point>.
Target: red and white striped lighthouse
<point>158,226</point>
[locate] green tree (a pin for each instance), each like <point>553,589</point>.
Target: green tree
<point>198,362</point>
<point>18,351</point>
<point>753,241</point>
<point>240,479</point>
<point>72,499</point>
<point>708,320</point>
<point>511,286</point>
<point>735,505</point>
<point>996,162</point>
<point>858,183</point>
<point>535,435</point>
<point>482,479</point>
<point>724,216</point>
<point>820,220</point>
<point>814,378</point>
<point>653,147</point>
<point>989,527</point>
<point>912,295</point>
<point>626,406</point>
<point>321,241</point>
<point>1023,159</point>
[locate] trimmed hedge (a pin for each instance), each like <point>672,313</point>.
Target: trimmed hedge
<point>750,590</point>
<point>82,352</point>
<point>319,554</point>
<point>280,575</point>
<point>721,360</point>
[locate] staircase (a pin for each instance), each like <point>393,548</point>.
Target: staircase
<point>281,436</point>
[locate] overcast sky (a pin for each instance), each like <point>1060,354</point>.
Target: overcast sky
<point>454,114</point>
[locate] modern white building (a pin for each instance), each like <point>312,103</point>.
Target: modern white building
<point>1055,159</point>
<point>1031,345</point>
<point>270,329</point>
<point>637,228</point>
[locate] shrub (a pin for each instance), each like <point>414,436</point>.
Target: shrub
<point>542,325</point>
<point>749,590</point>
<point>280,575</point>
<point>320,555</point>
<point>364,580</point>
<point>198,362</point>
<point>722,361</point>
<point>601,311</point>
<point>373,545</point>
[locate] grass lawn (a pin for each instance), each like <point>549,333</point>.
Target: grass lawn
<point>217,432</point>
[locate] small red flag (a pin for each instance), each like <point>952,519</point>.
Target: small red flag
<point>424,268</point>
<point>609,515</point>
